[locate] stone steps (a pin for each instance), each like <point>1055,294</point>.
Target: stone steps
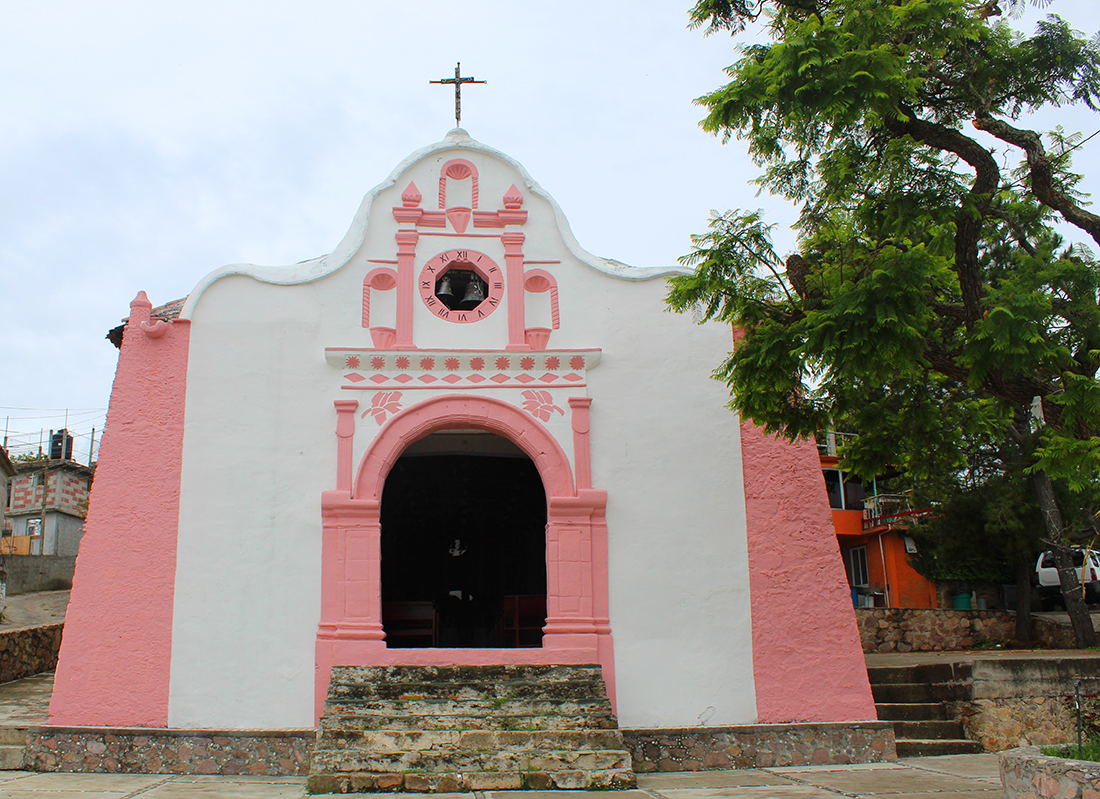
<point>471,781</point>
<point>444,722</point>
<point>931,711</point>
<point>934,748</point>
<point>468,728</point>
<point>477,740</point>
<point>447,761</point>
<point>940,729</point>
<point>902,693</point>
<point>13,746</point>
<point>913,698</point>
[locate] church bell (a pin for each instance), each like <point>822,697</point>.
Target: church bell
<point>474,293</point>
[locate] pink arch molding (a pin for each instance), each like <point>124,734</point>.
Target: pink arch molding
<point>350,632</point>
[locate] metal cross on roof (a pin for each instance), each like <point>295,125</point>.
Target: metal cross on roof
<point>458,80</point>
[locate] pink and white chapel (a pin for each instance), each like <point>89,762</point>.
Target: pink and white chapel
<point>457,439</point>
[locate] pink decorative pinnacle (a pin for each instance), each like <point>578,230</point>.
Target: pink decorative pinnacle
<point>512,198</point>
<point>411,197</point>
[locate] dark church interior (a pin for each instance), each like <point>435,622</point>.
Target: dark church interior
<point>463,545</point>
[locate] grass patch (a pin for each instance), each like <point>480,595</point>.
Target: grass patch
<point>1090,750</point>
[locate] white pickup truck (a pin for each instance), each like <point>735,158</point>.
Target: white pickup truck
<point>1086,561</point>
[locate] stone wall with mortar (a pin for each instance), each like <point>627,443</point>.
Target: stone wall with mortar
<point>29,651</point>
<point>1023,702</point>
<point>759,746</point>
<point>1028,774</point>
<point>1004,723</point>
<point>938,630</point>
<point>145,751</point>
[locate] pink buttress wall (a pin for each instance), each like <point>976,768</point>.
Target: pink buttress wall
<point>115,656</point>
<point>807,660</point>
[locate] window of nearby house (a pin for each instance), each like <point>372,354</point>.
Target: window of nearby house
<point>857,566</point>
<point>834,488</point>
<point>853,494</point>
<point>845,493</point>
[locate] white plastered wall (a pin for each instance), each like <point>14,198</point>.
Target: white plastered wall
<point>259,448</point>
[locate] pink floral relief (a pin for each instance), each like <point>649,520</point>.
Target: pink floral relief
<point>427,364</point>
<point>553,362</point>
<point>451,364</point>
<point>576,362</point>
<point>378,362</point>
<point>402,362</point>
<point>352,361</point>
<point>526,363</point>
<point>540,405</point>
<point>384,404</point>
<point>503,363</point>
<point>477,364</point>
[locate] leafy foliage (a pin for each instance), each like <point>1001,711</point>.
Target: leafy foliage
<point>931,301</point>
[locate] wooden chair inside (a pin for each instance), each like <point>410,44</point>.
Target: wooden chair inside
<point>410,624</point>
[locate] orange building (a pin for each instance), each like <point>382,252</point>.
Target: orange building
<point>875,544</point>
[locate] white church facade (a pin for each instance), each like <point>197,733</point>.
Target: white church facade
<point>458,439</point>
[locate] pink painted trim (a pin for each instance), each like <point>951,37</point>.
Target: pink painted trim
<point>450,411</point>
<point>395,386</point>
<point>457,169</point>
<point>577,628</point>
<point>539,281</point>
<point>345,432</point>
<point>513,264</point>
<point>579,350</point>
<point>582,453</point>
<point>439,265</point>
<point>116,655</point>
<point>406,253</point>
<point>803,672</point>
<point>381,279</point>
<point>462,235</point>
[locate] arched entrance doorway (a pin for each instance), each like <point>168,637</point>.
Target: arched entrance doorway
<point>351,631</point>
<point>463,547</point>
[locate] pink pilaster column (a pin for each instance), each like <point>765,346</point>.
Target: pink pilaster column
<point>569,584</point>
<point>406,285</point>
<point>345,432</point>
<point>513,265</point>
<point>350,630</point>
<point>582,453</point>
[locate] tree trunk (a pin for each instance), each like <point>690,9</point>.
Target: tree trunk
<point>1072,593</point>
<point>1025,628</point>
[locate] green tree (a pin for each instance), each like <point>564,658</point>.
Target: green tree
<point>931,300</point>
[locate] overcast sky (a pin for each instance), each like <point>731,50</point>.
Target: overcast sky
<point>145,144</point>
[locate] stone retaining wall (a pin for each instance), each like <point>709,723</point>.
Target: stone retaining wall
<point>30,573</point>
<point>1026,773</point>
<point>939,630</point>
<point>1022,702</point>
<point>147,751</point>
<point>29,651</point>
<point>1004,723</point>
<point>759,746</point>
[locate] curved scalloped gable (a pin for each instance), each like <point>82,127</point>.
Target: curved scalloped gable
<point>233,553</point>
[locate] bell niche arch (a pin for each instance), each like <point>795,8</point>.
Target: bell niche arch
<point>351,630</point>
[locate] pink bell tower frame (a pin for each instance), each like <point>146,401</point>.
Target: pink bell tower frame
<point>577,627</point>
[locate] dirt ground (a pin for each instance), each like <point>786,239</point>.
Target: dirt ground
<point>34,610</point>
